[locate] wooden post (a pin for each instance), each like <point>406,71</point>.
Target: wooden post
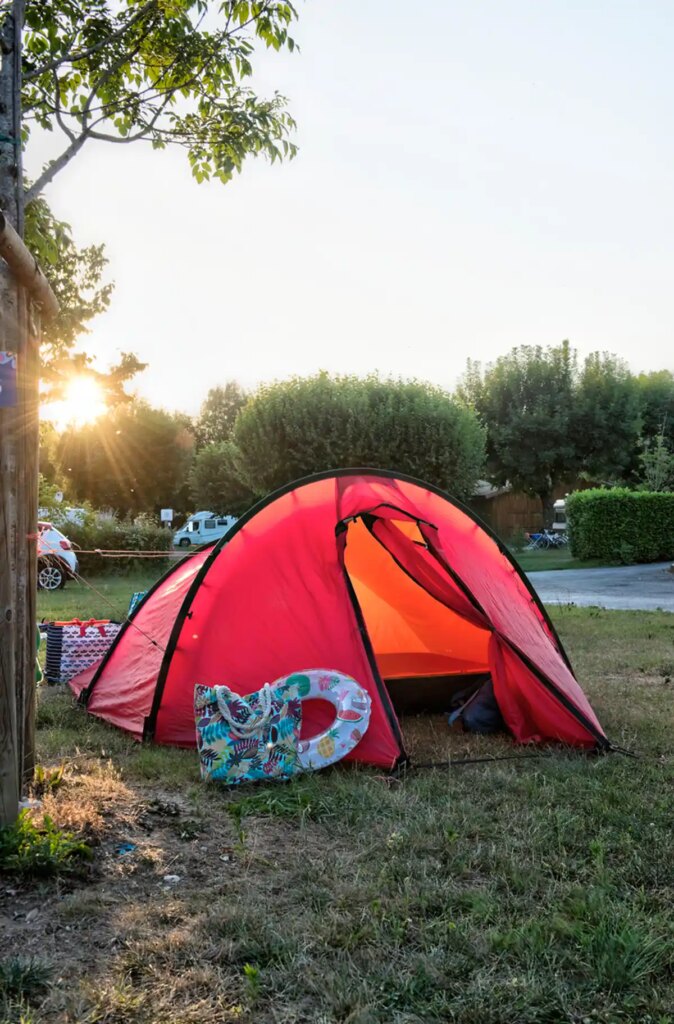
<point>26,270</point>
<point>9,743</point>
<point>10,185</point>
<point>21,284</point>
<point>27,459</point>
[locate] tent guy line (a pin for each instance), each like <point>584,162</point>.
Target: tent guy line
<point>126,618</point>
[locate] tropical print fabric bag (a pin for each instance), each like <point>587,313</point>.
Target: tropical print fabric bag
<point>245,739</point>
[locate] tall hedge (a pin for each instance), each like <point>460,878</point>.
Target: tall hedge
<point>620,525</point>
<point>305,425</point>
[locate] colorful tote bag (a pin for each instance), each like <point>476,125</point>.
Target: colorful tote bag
<point>245,739</point>
<point>73,646</point>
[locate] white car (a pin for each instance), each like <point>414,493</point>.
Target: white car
<point>56,560</point>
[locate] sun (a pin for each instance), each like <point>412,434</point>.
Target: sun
<point>83,402</point>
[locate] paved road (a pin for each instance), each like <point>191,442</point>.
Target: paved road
<point>644,587</point>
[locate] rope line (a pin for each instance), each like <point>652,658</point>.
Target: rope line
<point>490,759</point>
<point>414,766</point>
<point>125,617</point>
<point>121,553</point>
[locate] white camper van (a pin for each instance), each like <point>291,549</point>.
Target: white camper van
<point>559,516</point>
<point>202,528</point>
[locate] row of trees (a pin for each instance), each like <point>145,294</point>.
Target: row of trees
<point>552,419</point>
<point>241,446</point>
<point>536,418</point>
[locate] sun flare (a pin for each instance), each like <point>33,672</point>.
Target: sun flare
<point>83,402</point>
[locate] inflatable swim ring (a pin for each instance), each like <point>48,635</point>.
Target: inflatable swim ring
<point>352,706</point>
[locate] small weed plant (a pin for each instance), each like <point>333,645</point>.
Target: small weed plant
<point>47,780</point>
<point>23,980</point>
<point>42,851</point>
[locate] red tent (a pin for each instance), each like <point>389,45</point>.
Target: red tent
<point>373,574</point>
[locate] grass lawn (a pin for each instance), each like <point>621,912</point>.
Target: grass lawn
<point>553,558</point>
<point>518,892</point>
<point>106,597</point>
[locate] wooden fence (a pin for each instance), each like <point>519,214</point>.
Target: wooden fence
<point>510,513</point>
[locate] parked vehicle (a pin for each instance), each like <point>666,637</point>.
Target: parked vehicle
<point>559,516</point>
<point>56,560</point>
<point>202,528</point>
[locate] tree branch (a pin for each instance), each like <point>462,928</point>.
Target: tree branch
<point>106,76</point>
<point>58,112</point>
<point>103,137</point>
<point>193,57</point>
<point>52,169</point>
<point>73,57</point>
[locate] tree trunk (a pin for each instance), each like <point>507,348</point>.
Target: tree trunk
<point>17,516</point>
<point>28,446</point>
<point>547,503</point>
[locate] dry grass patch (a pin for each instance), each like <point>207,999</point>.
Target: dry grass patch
<point>91,799</point>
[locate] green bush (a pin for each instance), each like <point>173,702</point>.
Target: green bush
<point>214,482</point>
<point>307,425</point>
<point>620,525</point>
<point>97,532</point>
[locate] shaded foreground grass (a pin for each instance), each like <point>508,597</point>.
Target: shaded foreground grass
<point>522,891</point>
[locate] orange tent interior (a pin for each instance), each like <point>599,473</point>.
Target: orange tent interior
<point>424,651</point>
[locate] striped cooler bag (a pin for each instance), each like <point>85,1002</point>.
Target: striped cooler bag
<point>73,646</point>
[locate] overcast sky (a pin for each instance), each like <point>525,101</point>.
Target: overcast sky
<point>471,176</point>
